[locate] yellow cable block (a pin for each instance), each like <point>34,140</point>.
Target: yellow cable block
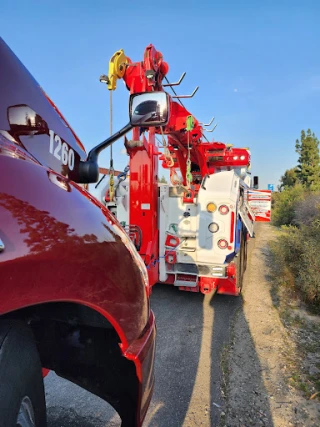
<point>117,68</point>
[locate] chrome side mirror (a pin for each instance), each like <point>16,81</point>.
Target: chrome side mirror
<point>149,109</point>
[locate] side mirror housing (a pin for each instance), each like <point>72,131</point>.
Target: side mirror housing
<point>145,110</point>
<point>256,182</point>
<point>149,109</point>
<point>89,169</point>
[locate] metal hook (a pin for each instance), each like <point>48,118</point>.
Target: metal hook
<point>187,96</point>
<point>211,130</point>
<point>207,124</point>
<point>176,83</point>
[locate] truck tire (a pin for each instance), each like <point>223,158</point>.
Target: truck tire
<point>239,273</point>
<point>241,263</point>
<point>245,249</point>
<point>22,400</point>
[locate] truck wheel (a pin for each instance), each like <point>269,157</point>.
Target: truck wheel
<point>22,401</point>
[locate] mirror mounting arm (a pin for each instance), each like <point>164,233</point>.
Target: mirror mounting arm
<point>89,169</point>
<point>93,154</point>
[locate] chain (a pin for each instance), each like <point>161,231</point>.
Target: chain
<point>167,155</point>
<point>190,126</point>
<point>188,171</point>
<point>174,177</point>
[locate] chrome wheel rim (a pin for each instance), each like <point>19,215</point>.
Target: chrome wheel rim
<point>26,414</point>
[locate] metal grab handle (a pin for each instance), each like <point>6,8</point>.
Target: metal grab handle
<point>207,124</point>
<point>204,181</point>
<point>187,96</point>
<point>176,83</point>
<point>211,130</point>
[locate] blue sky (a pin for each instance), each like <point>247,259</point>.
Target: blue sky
<point>257,65</point>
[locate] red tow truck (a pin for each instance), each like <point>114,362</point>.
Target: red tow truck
<point>193,232</point>
<point>74,292</point>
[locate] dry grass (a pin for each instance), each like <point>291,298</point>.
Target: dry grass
<point>302,324</point>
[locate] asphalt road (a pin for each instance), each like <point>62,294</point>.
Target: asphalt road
<point>192,330</point>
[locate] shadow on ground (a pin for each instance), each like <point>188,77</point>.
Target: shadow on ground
<point>192,331</point>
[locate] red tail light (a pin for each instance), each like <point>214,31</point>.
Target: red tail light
<point>223,209</point>
<point>231,270</point>
<point>223,244</point>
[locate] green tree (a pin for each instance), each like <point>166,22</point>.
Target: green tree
<point>163,180</point>
<point>308,169</point>
<point>289,179</point>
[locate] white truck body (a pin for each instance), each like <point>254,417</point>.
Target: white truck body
<point>186,244</point>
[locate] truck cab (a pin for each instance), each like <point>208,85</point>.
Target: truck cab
<point>66,302</point>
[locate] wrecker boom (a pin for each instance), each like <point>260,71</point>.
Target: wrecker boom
<point>147,76</point>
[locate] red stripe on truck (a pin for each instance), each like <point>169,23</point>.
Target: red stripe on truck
<point>232,228</point>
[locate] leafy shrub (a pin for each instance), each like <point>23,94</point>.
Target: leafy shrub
<point>298,248</point>
<point>301,248</point>
<point>284,204</point>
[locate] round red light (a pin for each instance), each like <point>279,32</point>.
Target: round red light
<point>231,270</point>
<point>223,209</point>
<point>223,244</point>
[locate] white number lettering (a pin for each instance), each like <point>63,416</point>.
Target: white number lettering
<point>51,133</point>
<point>71,159</point>
<point>62,151</point>
<point>58,147</point>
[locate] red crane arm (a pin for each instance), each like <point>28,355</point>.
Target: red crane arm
<point>147,76</point>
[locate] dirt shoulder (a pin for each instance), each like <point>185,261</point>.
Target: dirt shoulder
<point>267,363</point>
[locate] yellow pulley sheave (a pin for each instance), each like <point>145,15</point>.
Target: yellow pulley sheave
<point>117,68</point>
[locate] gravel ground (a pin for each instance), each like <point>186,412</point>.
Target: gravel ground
<point>192,330</point>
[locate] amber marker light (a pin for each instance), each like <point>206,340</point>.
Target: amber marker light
<point>211,207</point>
